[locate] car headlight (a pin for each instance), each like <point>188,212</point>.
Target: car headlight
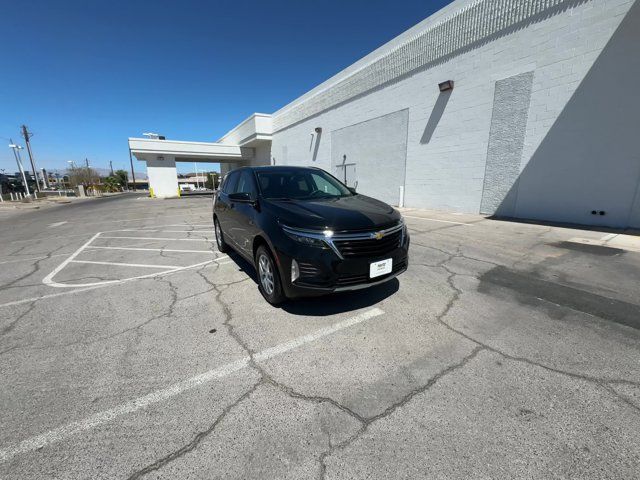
<point>308,237</point>
<point>403,237</point>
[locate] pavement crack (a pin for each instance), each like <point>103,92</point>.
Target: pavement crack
<point>196,440</point>
<point>604,383</point>
<point>433,380</point>
<point>168,313</point>
<point>265,377</point>
<point>13,324</point>
<point>35,269</point>
<point>368,421</point>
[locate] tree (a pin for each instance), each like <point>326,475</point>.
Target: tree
<point>82,176</point>
<point>122,177</point>
<point>111,184</point>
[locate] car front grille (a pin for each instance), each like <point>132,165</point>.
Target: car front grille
<point>369,247</point>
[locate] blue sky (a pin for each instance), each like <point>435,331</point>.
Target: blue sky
<point>84,74</point>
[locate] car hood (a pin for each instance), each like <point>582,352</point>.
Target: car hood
<point>357,212</point>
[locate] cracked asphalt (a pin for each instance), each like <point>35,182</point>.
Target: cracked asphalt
<point>507,350</point>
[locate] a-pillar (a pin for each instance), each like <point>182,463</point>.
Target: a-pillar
<point>163,177</point>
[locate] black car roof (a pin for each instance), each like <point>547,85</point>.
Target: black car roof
<point>282,167</point>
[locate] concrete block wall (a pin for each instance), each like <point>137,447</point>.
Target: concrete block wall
<point>448,135</point>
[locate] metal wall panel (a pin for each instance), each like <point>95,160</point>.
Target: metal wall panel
<point>373,155</point>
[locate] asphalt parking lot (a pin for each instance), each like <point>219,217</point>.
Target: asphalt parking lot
<point>131,348</point>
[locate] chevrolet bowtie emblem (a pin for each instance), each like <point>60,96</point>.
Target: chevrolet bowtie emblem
<point>378,235</point>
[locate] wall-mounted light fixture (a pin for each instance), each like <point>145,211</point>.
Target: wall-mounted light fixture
<point>318,129</point>
<point>446,86</point>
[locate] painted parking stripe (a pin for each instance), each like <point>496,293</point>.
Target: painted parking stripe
<point>48,280</point>
<point>93,247</point>
<point>100,418</point>
<point>52,283</point>
<point>186,231</point>
<point>110,283</point>
<point>185,225</point>
<point>162,238</point>
<point>118,264</point>
<point>57,224</point>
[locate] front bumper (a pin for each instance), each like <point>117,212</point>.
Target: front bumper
<point>322,272</point>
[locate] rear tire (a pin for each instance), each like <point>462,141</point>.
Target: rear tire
<point>268,277</point>
<point>222,245</point>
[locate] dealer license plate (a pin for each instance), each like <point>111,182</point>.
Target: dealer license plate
<point>377,269</point>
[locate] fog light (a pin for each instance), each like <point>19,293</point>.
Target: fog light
<point>295,271</point>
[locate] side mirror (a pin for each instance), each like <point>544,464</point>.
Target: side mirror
<point>352,190</point>
<point>241,197</point>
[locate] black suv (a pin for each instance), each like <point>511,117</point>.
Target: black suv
<point>306,232</point>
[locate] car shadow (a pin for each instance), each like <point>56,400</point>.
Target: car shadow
<point>341,302</point>
<point>244,266</point>
<point>330,304</point>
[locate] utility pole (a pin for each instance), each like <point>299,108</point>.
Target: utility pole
<point>133,175</point>
<point>27,135</point>
<point>16,153</point>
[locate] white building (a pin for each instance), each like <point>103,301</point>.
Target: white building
<point>542,121</point>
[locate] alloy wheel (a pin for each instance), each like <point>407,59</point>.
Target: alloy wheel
<point>266,274</point>
<point>218,233</point>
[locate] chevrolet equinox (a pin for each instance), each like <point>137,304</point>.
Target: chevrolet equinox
<point>306,233</point>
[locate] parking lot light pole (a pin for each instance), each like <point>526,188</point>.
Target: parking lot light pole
<point>16,153</point>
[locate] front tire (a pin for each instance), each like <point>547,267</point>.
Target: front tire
<point>268,277</point>
<point>222,245</point>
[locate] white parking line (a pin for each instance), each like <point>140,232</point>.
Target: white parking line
<point>150,249</point>
<point>110,283</point>
<point>186,231</point>
<point>117,264</point>
<point>209,225</point>
<point>609,236</point>
<point>437,220</point>
<point>48,280</point>
<point>159,238</point>
<point>57,224</point>
<point>61,433</point>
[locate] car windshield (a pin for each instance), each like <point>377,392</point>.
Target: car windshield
<point>300,184</point>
